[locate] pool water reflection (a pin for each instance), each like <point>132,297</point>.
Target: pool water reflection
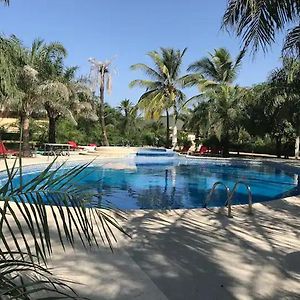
<point>186,184</point>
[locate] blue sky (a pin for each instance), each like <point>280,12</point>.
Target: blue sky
<point>127,30</point>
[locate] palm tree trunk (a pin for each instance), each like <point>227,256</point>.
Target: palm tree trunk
<point>101,106</point>
<point>278,146</point>
<point>225,143</point>
<point>174,132</point>
<point>52,129</point>
<point>168,130</point>
<point>25,122</point>
<point>297,144</point>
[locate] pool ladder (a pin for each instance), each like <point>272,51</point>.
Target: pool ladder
<point>230,195</point>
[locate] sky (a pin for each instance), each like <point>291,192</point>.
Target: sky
<point>125,30</point>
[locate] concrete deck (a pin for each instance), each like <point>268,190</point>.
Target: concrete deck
<point>194,254</point>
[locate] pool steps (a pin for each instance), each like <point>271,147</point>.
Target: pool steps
<point>230,195</point>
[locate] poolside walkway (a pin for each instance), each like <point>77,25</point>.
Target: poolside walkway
<point>195,254</point>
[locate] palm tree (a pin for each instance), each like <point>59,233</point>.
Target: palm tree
<point>163,90</point>
<point>258,21</point>
<point>8,68</point>
<point>30,69</point>
<point>217,68</point>
<point>224,112</point>
<point>129,111</point>
<point>63,96</point>
<point>101,76</point>
<point>284,82</point>
<point>214,75</point>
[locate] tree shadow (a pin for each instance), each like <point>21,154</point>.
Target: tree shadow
<point>201,254</point>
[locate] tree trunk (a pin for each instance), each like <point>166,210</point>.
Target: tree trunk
<point>225,143</point>
<point>168,130</point>
<point>52,130</point>
<point>174,133</point>
<point>278,146</point>
<point>25,126</point>
<point>297,143</point>
<point>102,117</point>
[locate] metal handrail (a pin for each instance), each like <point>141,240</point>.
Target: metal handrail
<point>209,196</point>
<point>250,198</point>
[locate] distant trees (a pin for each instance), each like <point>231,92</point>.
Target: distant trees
<point>35,79</point>
<point>25,77</point>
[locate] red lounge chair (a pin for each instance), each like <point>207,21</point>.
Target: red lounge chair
<point>216,151</point>
<point>203,150</point>
<point>185,149</point>
<point>6,152</point>
<point>74,145</point>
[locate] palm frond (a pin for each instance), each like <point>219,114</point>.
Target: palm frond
<point>23,279</point>
<point>292,42</point>
<point>55,195</point>
<point>147,70</point>
<point>6,2</point>
<point>257,21</point>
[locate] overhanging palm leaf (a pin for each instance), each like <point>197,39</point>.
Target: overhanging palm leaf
<point>258,21</point>
<point>25,235</point>
<point>292,42</point>
<point>21,279</point>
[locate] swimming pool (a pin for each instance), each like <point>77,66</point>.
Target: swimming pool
<point>185,183</point>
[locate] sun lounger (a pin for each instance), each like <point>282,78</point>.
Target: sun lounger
<point>7,152</point>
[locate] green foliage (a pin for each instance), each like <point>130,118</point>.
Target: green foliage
<point>183,139</point>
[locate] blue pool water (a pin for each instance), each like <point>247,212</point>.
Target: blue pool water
<point>185,183</point>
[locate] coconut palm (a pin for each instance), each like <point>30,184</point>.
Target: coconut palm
<point>258,21</point>
<point>63,96</point>
<point>217,68</point>
<point>101,77</point>
<point>284,83</point>
<point>163,89</point>
<point>214,75</point>
<point>129,112</point>
<point>224,111</point>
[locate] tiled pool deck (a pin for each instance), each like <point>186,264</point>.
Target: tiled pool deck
<point>193,254</point>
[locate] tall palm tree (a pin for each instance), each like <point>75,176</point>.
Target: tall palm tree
<point>129,111</point>
<point>101,77</point>
<point>284,82</point>
<point>214,75</point>
<point>258,21</point>
<point>163,90</point>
